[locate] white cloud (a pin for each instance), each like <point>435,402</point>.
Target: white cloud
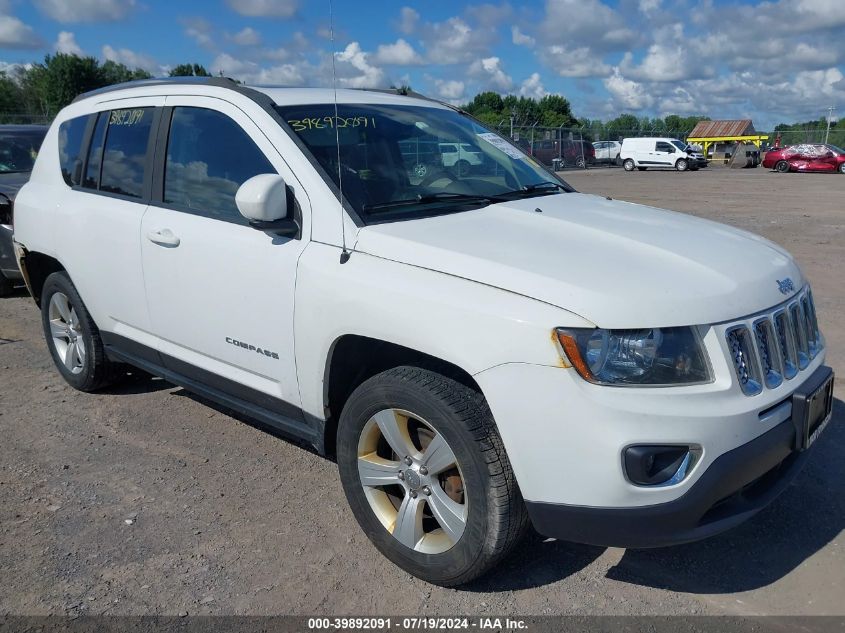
<point>577,62</point>
<point>408,19</point>
<point>454,41</point>
<point>355,69</point>
<point>265,8</point>
<point>449,89</point>
<point>672,57</point>
<point>130,58</point>
<point>586,23</point>
<point>533,87</point>
<point>199,30</point>
<point>85,10</point>
<point>521,39</point>
<point>66,43</point>
<point>16,34</point>
<point>399,53</point>
<point>629,95</point>
<point>251,73</point>
<point>649,6</point>
<point>247,36</point>
<point>489,71</point>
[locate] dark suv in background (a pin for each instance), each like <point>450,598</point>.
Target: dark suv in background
<point>19,145</point>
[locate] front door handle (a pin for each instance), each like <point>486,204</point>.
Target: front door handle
<point>164,237</point>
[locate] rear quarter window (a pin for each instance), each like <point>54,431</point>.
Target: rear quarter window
<point>125,151</point>
<point>71,136</point>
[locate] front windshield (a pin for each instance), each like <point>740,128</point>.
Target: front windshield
<point>836,150</point>
<point>18,151</point>
<point>680,145</point>
<point>402,162</point>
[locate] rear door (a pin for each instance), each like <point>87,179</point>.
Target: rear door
<point>220,293</point>
<point>101,217</point>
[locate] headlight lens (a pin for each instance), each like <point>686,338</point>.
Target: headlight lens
<point>650,357</point>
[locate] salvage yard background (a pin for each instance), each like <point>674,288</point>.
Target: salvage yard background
<point>146,500</point>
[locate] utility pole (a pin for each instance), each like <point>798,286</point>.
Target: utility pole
<point>513,114</point>
<point>829,117</point>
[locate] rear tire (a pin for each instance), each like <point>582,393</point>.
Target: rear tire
<point>842,168</point>
<point>382,439</point>
<point>628,164</point>
<point>73,338</point>
<point>782,167</point>
<point>6,286</point>
<point>462,168</point>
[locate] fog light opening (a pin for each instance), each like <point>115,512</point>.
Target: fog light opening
<point>658,465</point>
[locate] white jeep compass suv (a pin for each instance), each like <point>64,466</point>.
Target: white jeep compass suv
<point>480,351</point>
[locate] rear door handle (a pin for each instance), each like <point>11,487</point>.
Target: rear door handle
<point>164,237</point>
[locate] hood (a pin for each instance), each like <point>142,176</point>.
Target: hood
<point>10,184</point>
<point>617,264</point>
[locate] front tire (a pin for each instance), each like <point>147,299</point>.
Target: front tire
<point>73,338</point>
<point>682,164</point>
<point>842,168</point>
<point>628,164</point>
<point>6,286</point>
<point>782,167</point>
<point>427,477</point>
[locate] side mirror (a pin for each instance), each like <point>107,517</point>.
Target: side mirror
<point>263,200</point>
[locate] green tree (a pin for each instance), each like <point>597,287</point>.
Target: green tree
<point>115,73</point>
<point>61,78</point>
<point>624,123</point>
<point>189,70</point>
<point>555,111</point>
<point>11,99</point>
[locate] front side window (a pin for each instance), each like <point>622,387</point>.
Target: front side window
<point>71,135</point>
<point>402,162</point>
<point>663,147</point>
<point>125,151</point>
<point>209,157</point>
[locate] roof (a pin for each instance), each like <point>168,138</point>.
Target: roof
<point>278,95</point>
<point>24,129</point>
<point>715,129</point>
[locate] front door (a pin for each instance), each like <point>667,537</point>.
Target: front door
<point>220,293</point>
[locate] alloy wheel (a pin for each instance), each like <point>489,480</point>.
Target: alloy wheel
<point>66,333</point>
<point>412,481</point>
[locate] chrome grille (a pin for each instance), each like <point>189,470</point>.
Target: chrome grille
<point>775,346</point>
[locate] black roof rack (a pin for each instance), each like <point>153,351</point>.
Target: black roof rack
<point>220,82</point>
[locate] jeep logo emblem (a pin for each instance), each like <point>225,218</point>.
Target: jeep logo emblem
<point>785,286</point>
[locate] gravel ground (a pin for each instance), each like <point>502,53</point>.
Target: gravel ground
<point>147,500</point>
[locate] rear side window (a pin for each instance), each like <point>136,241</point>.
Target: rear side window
<point>125,151</point>
<point>208,157</point>
<point>71,135</point>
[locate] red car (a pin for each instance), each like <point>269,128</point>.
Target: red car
<point>806,158</point>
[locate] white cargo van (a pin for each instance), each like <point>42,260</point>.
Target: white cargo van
<point>655,152</point>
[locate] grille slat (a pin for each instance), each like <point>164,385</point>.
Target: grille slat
<point>775,346</point>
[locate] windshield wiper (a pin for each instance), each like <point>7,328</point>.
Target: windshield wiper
<point>541,188</point>
<point>432,197</point>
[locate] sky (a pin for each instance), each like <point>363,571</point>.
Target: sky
<point>772,61</point>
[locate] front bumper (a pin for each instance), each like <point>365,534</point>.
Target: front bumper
<point>566,438</point>
<point>736,486</point>
<point>8,262</point>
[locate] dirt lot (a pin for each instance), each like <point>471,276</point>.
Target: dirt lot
<point>146,500</point>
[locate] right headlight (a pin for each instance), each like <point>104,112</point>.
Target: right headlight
<point>655,357</point>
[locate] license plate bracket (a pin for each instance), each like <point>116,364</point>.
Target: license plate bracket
<point>812,407</point>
